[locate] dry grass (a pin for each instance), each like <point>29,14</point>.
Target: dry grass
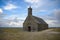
<point>18,34</point>
<point>56,29</point>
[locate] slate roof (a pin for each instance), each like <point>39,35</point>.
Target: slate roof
<point>39,20</point>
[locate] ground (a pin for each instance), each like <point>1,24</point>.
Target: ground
<point>19,34</point>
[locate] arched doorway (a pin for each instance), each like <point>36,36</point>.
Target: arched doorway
<point>29,28</point>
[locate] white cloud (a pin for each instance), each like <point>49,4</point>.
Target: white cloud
<point>32,1</point>
<point>15,24</point>
<point>12,21</point>
<point>54,19</point>
<point>52,22</point>
<point>10,7</point>
<point>57,13</point>
<point>1,11</point>
<point>14,17</point>
<point>38,5</point>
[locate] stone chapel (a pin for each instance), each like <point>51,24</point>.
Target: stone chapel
<point>33,23</point>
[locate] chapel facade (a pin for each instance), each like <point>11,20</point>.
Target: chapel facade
<point>33,23</point>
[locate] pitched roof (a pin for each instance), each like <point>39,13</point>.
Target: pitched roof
<point>39,20</point>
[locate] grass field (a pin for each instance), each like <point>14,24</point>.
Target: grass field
<point>19,34</point>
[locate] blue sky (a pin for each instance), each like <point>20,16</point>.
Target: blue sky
<point>14,12</point>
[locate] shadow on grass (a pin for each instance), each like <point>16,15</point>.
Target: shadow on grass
<point>2,34</point>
